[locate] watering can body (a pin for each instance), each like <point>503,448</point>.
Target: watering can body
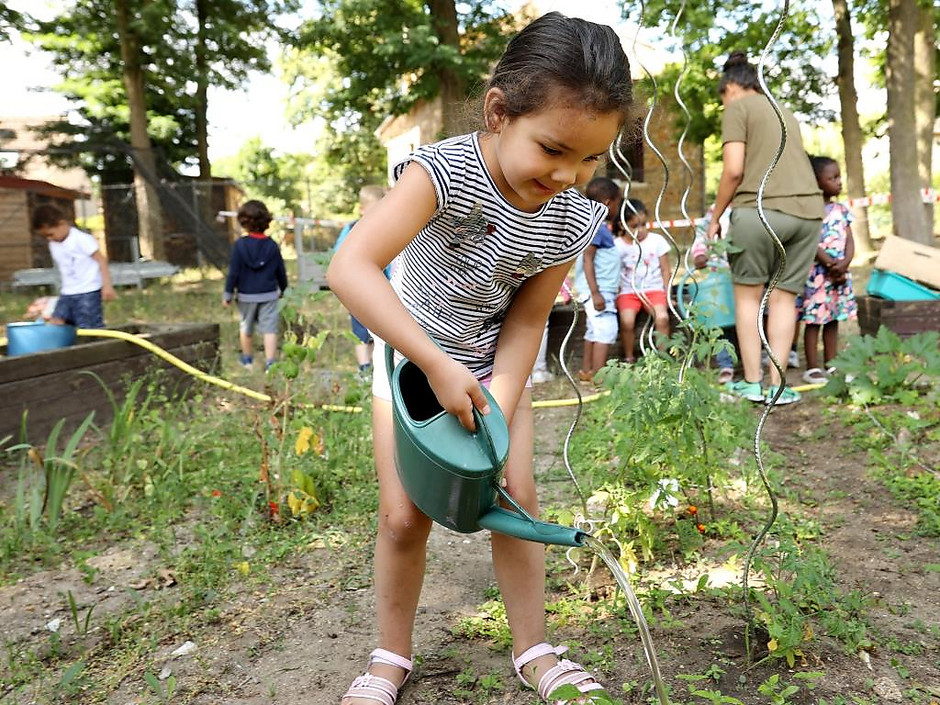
<point>36,336</point>
<point>452,475</point>
<point>711,298</point>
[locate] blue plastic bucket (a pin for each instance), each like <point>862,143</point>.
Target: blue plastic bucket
<point>710,299</point>
<point>35,336</point>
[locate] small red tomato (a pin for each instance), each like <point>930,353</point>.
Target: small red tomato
<point>693,510</point>
<point>701,528</point>
<point>216,493</point>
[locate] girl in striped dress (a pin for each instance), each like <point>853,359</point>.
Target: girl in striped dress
<point>484,227</point>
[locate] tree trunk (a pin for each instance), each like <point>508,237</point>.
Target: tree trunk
<point>907,207</point>
<point>204,188</point>
<point>925,108</point>
<point>149,215</point>
<point>851,127</point>
<point>453,93</point>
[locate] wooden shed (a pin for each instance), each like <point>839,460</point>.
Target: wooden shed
<point>19,247</point>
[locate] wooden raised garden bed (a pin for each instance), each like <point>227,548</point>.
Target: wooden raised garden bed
<point>53,384</point>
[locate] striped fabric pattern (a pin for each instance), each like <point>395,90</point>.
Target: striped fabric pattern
<point>459,274</point>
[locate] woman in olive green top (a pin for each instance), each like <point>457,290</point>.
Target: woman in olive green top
<point>793,206</point>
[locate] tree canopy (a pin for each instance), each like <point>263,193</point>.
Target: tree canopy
<point>84,44</point>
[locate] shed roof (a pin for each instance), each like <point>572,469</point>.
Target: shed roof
<point>41,187</point>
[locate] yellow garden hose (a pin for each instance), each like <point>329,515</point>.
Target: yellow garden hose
<point>172,359</point>
<point>260,396</point>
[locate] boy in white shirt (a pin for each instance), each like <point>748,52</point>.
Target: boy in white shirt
<point>86,279</point>
<point>644,257</point>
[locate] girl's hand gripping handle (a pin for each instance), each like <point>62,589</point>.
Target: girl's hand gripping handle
<point>457,390</point>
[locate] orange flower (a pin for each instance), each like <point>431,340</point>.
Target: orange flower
<point>701,528</point>
<point>216,493</point>
<point>693,510</point>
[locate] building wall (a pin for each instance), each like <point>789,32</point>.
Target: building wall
<point>20,248</point>
<point>664,133</point>
<point>32,164</point>
<point>402,134</point>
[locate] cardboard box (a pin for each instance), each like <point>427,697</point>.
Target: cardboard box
<point>911,259</point>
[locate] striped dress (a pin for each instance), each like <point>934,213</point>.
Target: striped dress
<point>459,274</point>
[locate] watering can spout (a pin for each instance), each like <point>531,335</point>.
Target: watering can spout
<point>504,521</point>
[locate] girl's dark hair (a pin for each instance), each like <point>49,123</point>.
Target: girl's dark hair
<point>819,163</point>
<point>46,215</point>
<point>738,70</point>
<point>602,189</point>
<point>557,53</point>
<point>634,207</point>
<point>254,217</point>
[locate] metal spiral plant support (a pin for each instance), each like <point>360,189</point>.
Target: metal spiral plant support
<point>690,178</point>
<point>562,357</point>
<point>755,544</point>
<point>646,335</point>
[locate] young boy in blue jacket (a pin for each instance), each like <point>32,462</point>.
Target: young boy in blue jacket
<point>256,279</point>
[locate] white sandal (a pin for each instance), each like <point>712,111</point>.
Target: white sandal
<point>375,688</point>
<point>565,672</point>
<point>814,375</point>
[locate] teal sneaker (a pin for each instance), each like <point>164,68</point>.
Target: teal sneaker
<point>788,396</point>
<point>746,390</point>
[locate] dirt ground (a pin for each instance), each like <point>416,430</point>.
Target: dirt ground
<point>304,639</point>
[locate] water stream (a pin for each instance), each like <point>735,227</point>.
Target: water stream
<point>635,609</point>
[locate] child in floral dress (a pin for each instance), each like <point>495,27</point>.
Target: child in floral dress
<point>828,296</point>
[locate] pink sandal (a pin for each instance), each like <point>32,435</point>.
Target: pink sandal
<point>375,688</point>
<point>565,672</point>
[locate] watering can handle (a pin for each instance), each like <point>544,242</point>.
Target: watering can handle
<point>491,447</point>
<point>389,362</point>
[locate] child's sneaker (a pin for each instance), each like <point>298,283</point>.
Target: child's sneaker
<point>751,391</point>
<point>268,365</point>
<point>541,376</point>
<point>788,396</point>
<point>245,361</point>
<point>794,359</point>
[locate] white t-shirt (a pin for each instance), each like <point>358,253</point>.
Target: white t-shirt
<point>649,275</point>
<point>460,273</point>
<point>80,273</point>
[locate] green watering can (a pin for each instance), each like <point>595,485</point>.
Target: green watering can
<point>451,474</point>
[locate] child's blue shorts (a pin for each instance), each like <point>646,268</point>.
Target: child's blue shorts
<point>81,310</point>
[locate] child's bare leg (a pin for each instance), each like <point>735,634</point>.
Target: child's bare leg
<point>520,565</point>
<point>363,354</point>
<point>270,346</point>
<point>811,345</point>
<point>627,331</point>
<point>587,357</point>
<point>599,356</point>
<point>830,341</point>
<point>781,322</point>
<point>244,340</point>
<point>661,321</point>
<point>746,305</point>
<point>400,549</point>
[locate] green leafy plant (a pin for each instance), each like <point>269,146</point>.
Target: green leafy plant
<point>656,447</point>
<point>886,367</point>
<point>804,599</point>
<point>164,691</point>
<point>58,470</point>
<point>81,625</point>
